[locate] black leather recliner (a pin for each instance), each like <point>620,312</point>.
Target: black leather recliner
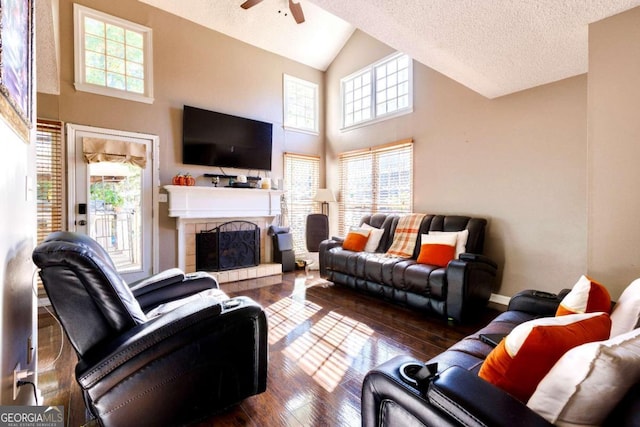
<point>203,356</point>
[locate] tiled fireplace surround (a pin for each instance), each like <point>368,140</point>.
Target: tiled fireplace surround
<point>202,208</point>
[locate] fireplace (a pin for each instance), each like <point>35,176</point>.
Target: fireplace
<point>197,208</point>
<point>232,245</point>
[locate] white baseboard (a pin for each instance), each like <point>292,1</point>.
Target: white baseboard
<point>499,299</point>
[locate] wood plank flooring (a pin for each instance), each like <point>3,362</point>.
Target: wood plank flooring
<point>323,340</point>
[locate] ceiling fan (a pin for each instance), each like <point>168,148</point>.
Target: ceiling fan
<point>295,8</point>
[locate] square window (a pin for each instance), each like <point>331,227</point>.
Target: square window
<point>126,70</point>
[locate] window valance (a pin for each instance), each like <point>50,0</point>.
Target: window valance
<point>97,150</point>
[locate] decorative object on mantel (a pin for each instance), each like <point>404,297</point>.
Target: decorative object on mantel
<point>183,179</point>
<point>238,181</point>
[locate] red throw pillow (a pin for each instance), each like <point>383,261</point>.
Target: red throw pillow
<point>437,249</point>
<point>524,357</point>
<point>356,240</point>
<point>586,296</point>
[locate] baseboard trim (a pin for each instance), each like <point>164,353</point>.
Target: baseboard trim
<point>499,299</point>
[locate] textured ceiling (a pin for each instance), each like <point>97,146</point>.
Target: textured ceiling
<point>494,47</point>
<point>315,42</point>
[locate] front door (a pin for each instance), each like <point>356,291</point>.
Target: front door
<point>114,202</point>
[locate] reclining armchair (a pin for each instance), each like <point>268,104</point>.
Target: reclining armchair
<point>179,357</point>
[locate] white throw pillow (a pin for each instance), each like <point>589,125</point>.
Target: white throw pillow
<point>461,239</point>
<point>588,381</point>
<point>374,237</point>
<point>626,313</point>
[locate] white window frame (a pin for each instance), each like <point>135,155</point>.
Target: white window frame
<point>373,116</point>
<point>302,104</point>
<point>80,13</point>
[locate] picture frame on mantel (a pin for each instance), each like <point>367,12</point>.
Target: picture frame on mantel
<point>16,65</point>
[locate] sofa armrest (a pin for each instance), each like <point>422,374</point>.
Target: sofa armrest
<point>157,281</point>
<point>537,302</point>
<point>170,285</point>
<point>470,282</point>
<point>387,400</point>
<point>466,256</point>
<point>323,258</point>
<point>471,401</point>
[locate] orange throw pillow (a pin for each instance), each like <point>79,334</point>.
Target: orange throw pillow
<point>586,296</point>
<point>356,240</point>
<point>437,249</point>
<point>525,356</point>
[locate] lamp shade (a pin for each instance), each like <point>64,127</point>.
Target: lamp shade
<point>324,195</point>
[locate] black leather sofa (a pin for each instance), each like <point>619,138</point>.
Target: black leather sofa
<point>146,355</point>
<point>456,291</point>
<point>456,395</point>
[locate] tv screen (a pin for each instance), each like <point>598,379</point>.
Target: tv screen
<point>210,138</point>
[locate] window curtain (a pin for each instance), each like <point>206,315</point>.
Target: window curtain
<point>97,150</point>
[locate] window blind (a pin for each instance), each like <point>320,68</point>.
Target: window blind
<point>50,176</point>
<point>377,179</point>
<point>301,177</point>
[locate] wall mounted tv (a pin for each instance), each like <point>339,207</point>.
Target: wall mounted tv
<point>216,139</point>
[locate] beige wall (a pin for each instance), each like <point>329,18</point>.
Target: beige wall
<point>193,66</point>
<point>557,205</point>
<point>519,161</point>
<point>614,150</point>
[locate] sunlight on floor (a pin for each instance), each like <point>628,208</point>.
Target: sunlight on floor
<point>326,351</point>
<point>286,315</point>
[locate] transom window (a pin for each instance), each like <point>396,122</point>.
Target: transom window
<point>379,91</point>
<point>112,56</point>
<point>300,104</point>
<point>377,179</point>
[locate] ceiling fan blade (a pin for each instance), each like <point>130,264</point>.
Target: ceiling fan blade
<point>249,3</point>
<point>296,11</point>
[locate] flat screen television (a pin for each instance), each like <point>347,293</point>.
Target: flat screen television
<point>210,138</point>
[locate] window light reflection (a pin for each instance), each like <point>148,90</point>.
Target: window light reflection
<point>287,314</point>
<point>326,351</point>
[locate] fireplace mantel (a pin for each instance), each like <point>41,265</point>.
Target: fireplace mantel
<point>222,202</point>
<point>195,207</point>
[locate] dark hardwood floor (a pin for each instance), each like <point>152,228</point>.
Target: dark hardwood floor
<point>323,340</point>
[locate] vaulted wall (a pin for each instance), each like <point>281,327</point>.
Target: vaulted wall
<point>518,160</point>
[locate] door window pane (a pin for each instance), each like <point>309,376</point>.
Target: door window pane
<point>115,212</point>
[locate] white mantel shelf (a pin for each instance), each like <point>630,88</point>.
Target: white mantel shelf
<point>222,202</point>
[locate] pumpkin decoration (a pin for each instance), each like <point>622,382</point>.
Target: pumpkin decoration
<point>178,179</point>
<point>189,180</point>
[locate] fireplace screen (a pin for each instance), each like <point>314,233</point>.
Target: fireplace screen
<point>234,244</point>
